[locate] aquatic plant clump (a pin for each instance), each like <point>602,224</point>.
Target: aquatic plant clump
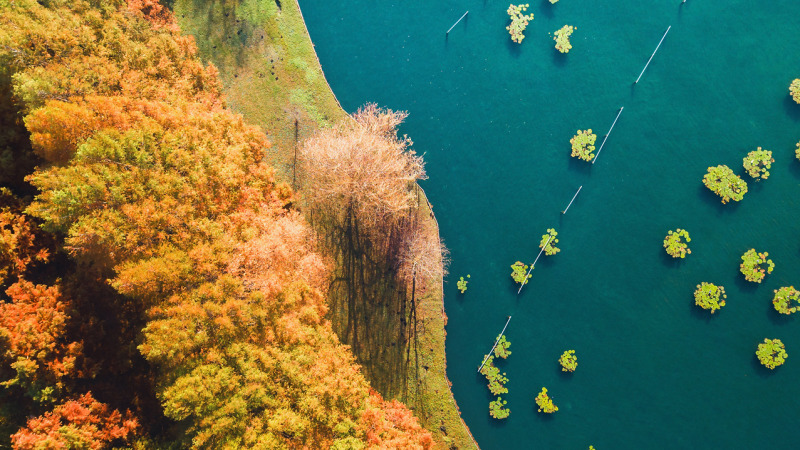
<point>562,38</point>
<point>461,284</point>
<point>568,361</point>
<point>553,1</point>
<point>519,272</point>
<point>755,266</point>
<point>501,349</point>
<point>786,300</point>
<point>497,410</point>
<point>794,89</point>
<point>545,403</point>
<point>797,151</point>
<point>583,145</point>
<point>676,243</point>
<point>496,379</point>
<point>772,353</point>
<point>710,296</point>
<point>551,248</point>
<point>757,163</point>
<point>519,22</point>
<point>722,181</point>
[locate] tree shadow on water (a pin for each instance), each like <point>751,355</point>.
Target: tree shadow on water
<point>579,165</point>
<point>777,318</point>
<point>715,201</point>
<point>546,8</point>
<point>760,370</point>
<point>744,285</point>
<point>791,108</point>
<point>559,59</point>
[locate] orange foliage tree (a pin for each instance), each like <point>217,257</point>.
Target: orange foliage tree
<point>161,193</point>
<point>81,423</point>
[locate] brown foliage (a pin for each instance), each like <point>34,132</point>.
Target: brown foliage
<point>361,165</point>
<point>82,423</point>
<point>390,425</point>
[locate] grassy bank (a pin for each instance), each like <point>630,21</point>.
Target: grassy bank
<point>272,76</point>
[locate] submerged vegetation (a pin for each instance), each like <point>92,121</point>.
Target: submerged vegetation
<point>757,163</point>
<point>583,144</point>
<point>562,38</point>
<point>519,21</point>
<point>786,300</point>
<point>722,181</point>
<point>568,361</point>
<point>676,243</point>
<point>772,353</point>
<point>550,241</point>
<point>755,266</point>
<point>710,296</point>
<point>545,403</point>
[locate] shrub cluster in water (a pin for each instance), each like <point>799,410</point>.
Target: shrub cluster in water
<point>497,381</point>
<point>545,403</point>
<point>550,240</point>
<point>568,361</point>
<point>519,22</point>
<point>786,300</point>
<point>675,245</point>
<point>757,163</point>
<point>709,296</point>
<point>755,266</point>
<point>583,144</point>
<point>771,353</point>
<point>722,181</point>
<point>562,38</point>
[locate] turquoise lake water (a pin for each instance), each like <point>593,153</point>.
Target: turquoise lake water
<point>494,120</point>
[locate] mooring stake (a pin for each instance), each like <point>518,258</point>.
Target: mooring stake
<point>609,132</point>
<point>454,25</point>
<point>573,199</point>
<point>654,54</point>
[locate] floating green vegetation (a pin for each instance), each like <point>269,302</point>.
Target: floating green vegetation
<point>583,144</point>
<point>501,349</point>
<point>772,353</point>
<point>676,243</point>
<point>568,361</point>
<point>497,410</point>
<point>591,447</point>
<point>786,300</point>
<point>755,266</point>
<point>462,284</point>
<point>757,163</point>
<point>554,1</point>
<point>709,296</point>
<point>562,38</point>
<point>519,272</point>
<point>545,403</point>
<point>797,151</point>
<point>551,248</point>
<point>794,89</point>
<point>722,181</point>
<point>519,22</point>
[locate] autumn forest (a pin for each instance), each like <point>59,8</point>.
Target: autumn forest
<point>160,286</point>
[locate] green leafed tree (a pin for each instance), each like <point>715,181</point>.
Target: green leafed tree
<point>786,300</point>
<point>771,353</point>
<point>568,361</point>
<point>519,21</point>
<point>550,240</point>
<point>709,296</point>
<point>583,144</point>
<point>722,181</point>
<point>519,272</point>
<point>757,163</point>
<point>676,243</point>
<point>755,266</point>
<point>562,38</point>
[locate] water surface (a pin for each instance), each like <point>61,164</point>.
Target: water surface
<point>494,120</point>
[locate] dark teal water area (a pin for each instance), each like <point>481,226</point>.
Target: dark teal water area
<point>494,120</point>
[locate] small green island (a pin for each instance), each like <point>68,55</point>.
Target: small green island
<point>583,144</point>
<point>561,37</point>
<point>545,403</point>
<point>757,163</point>
<point>709,296</point>
<point>755,265</point>
<point>519,21</point>
<point>722,181</point>
<point>568,361</point>
<point>786,300</point>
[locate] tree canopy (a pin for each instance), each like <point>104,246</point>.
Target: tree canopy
<point>722,181</point>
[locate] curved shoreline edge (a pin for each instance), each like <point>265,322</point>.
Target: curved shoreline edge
<point>271,75</point>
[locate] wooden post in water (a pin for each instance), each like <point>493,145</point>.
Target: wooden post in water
<point>454,25</point>
<point>609,132</point>
<point>525,281</point>
<point>654,54</point>
<point>495,345</point>
<point>573,199</point>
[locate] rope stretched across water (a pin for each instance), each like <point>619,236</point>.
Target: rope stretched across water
<point>525,281</point>
<point>495,344</point>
